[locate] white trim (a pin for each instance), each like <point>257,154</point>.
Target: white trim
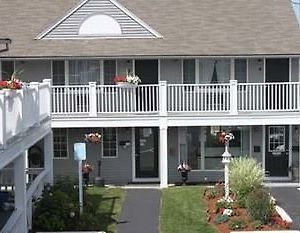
<point>0,69</point>
<point>51,69</point>
<point>181,70</point>
<point>264,69</point>
<point>159,70</point>
<point>264,149</point>
<point>118,5</point>
<point>67,73</point>
<point>117,144</point>
<point>133,153</point>
<point>290,69</point>
<point>145,180</point>
<point>133,66</point>
<point>250,140</point>
<point>197,71</point>
<point>41,35</point>
<point>101,66</point>
<point>134,17</point>
<point>247,70</point>
<point>232,69</point>
<point>67,147</point>
<point>290,133</point>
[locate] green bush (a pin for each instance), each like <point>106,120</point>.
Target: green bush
<point>257,224</point>
<point>246,175</point>
<point>237,224</point>
<point>259,205</point>
<point>221,219</point>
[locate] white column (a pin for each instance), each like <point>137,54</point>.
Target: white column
<point>48,97</point>
<point>48,157</point>
<point>163,153</point>
<point>163,98</point>
<point>232,71</point>
<point>35,109</point>
<point>233,97</point>
<point>93,99</point>
<point>20,190</point>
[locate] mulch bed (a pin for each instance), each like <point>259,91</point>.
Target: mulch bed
<point>276,222</point>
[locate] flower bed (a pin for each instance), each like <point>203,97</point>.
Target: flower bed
<point>227,215</point>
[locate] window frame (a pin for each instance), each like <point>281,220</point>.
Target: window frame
<point>67,145</point>
<point>116,143</point>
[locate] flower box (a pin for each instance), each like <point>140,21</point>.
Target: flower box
<point>126,85</point>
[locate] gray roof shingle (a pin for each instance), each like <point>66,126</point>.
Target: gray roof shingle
<point>188,27</point>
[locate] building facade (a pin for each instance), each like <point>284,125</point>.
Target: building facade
<point>205,67</point>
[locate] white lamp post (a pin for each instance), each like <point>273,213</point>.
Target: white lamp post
<point>226,157</point>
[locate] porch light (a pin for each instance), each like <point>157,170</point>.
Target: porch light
<point>226,157</point>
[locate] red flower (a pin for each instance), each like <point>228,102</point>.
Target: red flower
<point>120,78</point>
<point>3,84</point>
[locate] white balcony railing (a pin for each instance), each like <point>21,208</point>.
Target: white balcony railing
<point>269,96</point>
<point>23,109</point>
<point>167,99</point>
<point>198,98</point>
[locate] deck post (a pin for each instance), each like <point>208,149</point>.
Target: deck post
<point>48,98</point>
<point>233,97</point>
<point>163,153</point>
<point>2,120</point>
<point>92,99</point>
<point>20,191</point>
<point>163,110</point>
<point>48,157</point>
<point>36,108</point>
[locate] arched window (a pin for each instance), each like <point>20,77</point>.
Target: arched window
<point>100,25</point>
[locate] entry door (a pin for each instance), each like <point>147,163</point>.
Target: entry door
<point>277,70</point>
<point>146,153</point>
<point>277,151</point>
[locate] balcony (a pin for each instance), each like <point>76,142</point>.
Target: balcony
<point>176,100</point>
<point>21,110</point>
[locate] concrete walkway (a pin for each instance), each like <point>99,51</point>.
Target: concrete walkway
<point>140,212</point>
<point>289,199</point>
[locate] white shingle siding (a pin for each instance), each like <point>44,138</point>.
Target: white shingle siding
<point>68,28</point>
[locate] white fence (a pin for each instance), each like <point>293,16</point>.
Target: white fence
<point>232,98</point>
<point>23,109</point>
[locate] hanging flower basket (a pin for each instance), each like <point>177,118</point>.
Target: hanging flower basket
<point>93,138</point>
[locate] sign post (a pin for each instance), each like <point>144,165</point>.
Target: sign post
<point>79,155</point>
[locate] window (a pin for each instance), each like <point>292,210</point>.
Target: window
<point>214,71</point>
<point>189,71</point>
<point>109,142</point>
<point>276,138</point>
<point>58,72</point>
<point>100,25</point>
<point>7,69</point>
<point>84,71</point>
<point>240,70</point>
<point>109,71</point>
<point>60,143</point>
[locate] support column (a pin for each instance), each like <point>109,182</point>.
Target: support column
<point>48,157</point>
<point>163,153</point>
<point>20,190</point>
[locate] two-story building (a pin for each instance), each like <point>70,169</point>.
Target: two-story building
<point>205,66</point>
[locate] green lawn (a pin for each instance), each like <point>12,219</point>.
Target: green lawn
<point>108,204</point>
<point>183,211</point>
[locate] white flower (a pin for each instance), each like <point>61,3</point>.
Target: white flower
<point>133,79</point>
<point>227,212</point>
<point>72,214</point>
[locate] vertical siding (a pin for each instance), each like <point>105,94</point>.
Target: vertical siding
<point>69,27</point>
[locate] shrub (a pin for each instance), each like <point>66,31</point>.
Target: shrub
<point>237,224</point>
<point>257,224</point>
<point>221,219</point>
<point>246,175</point>
<point>224,203</point>
<point>259,205</point>
<point>210,193</point>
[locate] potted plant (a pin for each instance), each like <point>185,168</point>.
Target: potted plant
<point>13,83</point>
<point>127,81</point>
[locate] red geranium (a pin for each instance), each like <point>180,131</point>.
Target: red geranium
<point>119,79</point>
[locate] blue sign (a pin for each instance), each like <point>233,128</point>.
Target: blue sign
<point>79,151</point>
